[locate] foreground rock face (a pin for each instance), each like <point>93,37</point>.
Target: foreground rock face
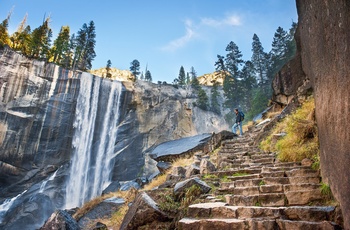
<point>325,42</point>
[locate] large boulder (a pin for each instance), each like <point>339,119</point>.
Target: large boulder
<point>105,209</point>
<point>60,219</point>
<point>144,210</point>
<point>325,41</point>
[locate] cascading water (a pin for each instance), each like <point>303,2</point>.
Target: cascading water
<point>96,123</point>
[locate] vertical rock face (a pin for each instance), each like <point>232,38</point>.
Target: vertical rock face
<point>325,43</point>
<point>37,107</point>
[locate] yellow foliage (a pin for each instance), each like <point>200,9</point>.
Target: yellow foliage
<point>300,141</point>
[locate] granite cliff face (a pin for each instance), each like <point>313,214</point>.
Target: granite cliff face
<point>325,41</point>
<point>59,128</point>
<point>321,65</point>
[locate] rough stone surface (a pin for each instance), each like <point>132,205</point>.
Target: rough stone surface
<point>60,220</point>
<point>144,210</point>
<point>113,187</point>
<point>206,167</point>
<point>325,41</point>
<point>105,209</point>
<point>181,187</point>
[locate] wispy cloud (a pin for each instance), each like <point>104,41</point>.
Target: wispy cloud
<point>182,41</point>
<point>196,30</point>
<point>230,20</point>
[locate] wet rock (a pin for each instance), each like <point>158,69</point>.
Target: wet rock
<point>172,149</point>
<point>30,214</point>
<point>163,166</point>
<point>125,186</point>
<point>60,219</point>
<point>113,187</point>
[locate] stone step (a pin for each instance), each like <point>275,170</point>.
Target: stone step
<point>305,225</point>
<point>248,183</point>
<point>268,199</point>
<point>304,180</point>
<point>231,172</point>
<point>303,197</point>
<point>303,172</point>
<point>261,155</point>
<point>298,187</point>
<point>246,191</point>
<point>274,180</point>
<point>273,174</point>
<point>206,224</point>
<point>243,177</point>
<point>277,167</point>
<point>222,209</point>
<point>264,160</point>
<point>276,188</point>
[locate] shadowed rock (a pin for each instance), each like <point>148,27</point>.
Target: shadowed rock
<point>60,220</point>
<point>144,210</point>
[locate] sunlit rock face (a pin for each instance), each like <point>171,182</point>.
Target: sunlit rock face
<point>65,136</point>
<point>325,42</point>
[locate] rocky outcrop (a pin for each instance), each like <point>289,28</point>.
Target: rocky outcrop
<point>116,74</point>
<point>144,211</point>
<point>60,220</point>
<point>325,41</point>
<point>291,82</point>
<point>212,78</point>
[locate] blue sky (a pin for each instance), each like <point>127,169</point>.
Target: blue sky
<point>161,34</point>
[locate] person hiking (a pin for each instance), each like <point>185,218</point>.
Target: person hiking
<point>238,123</point>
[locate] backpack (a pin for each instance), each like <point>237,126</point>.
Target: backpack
<point>242,115</point>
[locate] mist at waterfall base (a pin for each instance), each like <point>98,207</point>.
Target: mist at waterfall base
<point>88,172</point>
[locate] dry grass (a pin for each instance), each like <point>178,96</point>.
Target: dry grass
<point>160,179</point>
<point>301,140</point>
<point>115,221</point>
<point>155,182</point>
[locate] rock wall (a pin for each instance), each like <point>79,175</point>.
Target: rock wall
<point>290,83</point>
<point>325,43</point>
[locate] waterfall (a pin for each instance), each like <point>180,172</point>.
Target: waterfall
<point>96,122</point>
<point>6,205</point>
<point>43,184</point>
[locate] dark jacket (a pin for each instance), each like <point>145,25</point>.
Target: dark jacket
<point>238,117</point>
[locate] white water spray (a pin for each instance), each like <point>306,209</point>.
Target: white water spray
<point>7,205</point>
<point>95,124</point>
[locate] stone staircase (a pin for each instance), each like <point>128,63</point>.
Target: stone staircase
<point>258,192</point>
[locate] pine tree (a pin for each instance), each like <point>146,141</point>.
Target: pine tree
<point>135,68</point>
<point>67,61</point>
<point>214,99</point>
<point>89,54</point>
<point>60,47</point>
<point>80,42</point>
<point>4,35</point>
<point>233,59</point>
<point>40,41</point>
<point>247,83</point>
<point>108,69</point>
<point>182,77</point>
<point>21,38</point>
<point>231,83</point>
<point>148,76</point>
<point>203,99</point>
<point>194,80</point>
<point>220,64</point>
<point>259,60</point>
